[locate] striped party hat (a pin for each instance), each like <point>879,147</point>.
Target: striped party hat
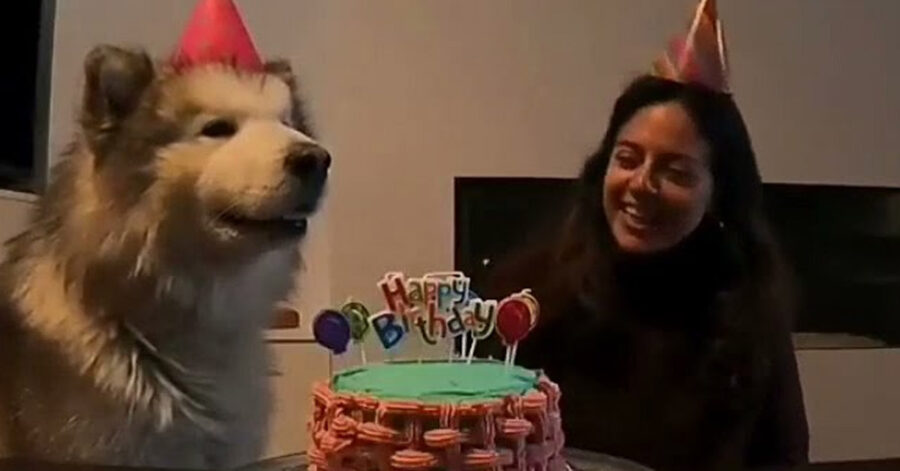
<point>700,57</point>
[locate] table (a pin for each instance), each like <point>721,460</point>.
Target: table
<point>579,461</point>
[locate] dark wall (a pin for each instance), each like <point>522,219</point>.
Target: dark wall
<point>842,242</point>
<point>18,85</point>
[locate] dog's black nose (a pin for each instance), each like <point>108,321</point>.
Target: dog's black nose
<point>307,160</point>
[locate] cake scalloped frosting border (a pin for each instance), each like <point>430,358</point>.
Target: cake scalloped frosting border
<point>362,433</point>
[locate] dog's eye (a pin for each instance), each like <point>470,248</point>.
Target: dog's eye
<point>219,128</point>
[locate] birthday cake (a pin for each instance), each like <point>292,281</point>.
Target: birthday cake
<point>458,413</point>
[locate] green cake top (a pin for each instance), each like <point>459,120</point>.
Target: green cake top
<point>437,382</point>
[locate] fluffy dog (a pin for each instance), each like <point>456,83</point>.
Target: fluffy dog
<point>132,309</point>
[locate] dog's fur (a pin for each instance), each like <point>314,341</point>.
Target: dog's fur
<point>132,310</point>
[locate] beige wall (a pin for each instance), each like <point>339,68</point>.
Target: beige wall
<point>852,399</point>
<point>409,93</point>
<point>14,214</point>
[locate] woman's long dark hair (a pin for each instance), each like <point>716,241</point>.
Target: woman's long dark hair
<point>575,269</point>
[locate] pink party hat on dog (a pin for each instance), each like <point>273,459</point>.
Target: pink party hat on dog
<point>700,57</point>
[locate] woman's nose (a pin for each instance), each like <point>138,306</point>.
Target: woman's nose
<point>644,180</point>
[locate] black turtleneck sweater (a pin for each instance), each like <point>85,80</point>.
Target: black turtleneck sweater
<point>650,379</point>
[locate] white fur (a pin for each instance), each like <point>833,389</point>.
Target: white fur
<point>218,90</point>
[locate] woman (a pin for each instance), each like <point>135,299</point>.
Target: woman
<point>664,315</point>
<point>664,308</point>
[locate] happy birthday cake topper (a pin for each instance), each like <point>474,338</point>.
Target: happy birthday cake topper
<point>434,307</point>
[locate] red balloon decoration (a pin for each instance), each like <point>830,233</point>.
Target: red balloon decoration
<point>514,320</point>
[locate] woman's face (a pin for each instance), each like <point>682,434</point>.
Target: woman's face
<point>658,184</point>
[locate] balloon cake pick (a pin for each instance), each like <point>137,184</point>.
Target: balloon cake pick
<point>435,307</point>
<point>358,317</point>
<point>516,316</point>
<point>331,329</point>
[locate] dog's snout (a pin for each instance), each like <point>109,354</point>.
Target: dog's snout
<point>306,160</point>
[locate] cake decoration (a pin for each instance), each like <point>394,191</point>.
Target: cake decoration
<point>516,316</point>
<point>417,414</point>
<point>358,316</point>
<point>436,415</point>
<point>436,307</point>
<point>467,350</point>
<point>331,329</point>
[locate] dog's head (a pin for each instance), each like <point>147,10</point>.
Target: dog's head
<point>217,159</point>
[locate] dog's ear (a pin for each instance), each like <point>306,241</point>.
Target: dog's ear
<point>282,70</point>
<point>115,80</point>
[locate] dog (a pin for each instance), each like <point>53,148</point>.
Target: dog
<point>133,308</point>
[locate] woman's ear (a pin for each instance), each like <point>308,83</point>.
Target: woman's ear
<point>115,81</point>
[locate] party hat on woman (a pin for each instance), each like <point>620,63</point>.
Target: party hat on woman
<point>700,56</point>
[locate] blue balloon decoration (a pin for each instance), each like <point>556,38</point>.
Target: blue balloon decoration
<point>332,330</point>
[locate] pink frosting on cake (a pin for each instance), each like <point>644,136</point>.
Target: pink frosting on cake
<point>360,433</point>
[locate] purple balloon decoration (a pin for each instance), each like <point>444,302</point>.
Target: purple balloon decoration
<point>332,330</point>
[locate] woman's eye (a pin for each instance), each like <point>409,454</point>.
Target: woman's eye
<point>681,176</point>
<point>219,128</point>
<point>626,159</point>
